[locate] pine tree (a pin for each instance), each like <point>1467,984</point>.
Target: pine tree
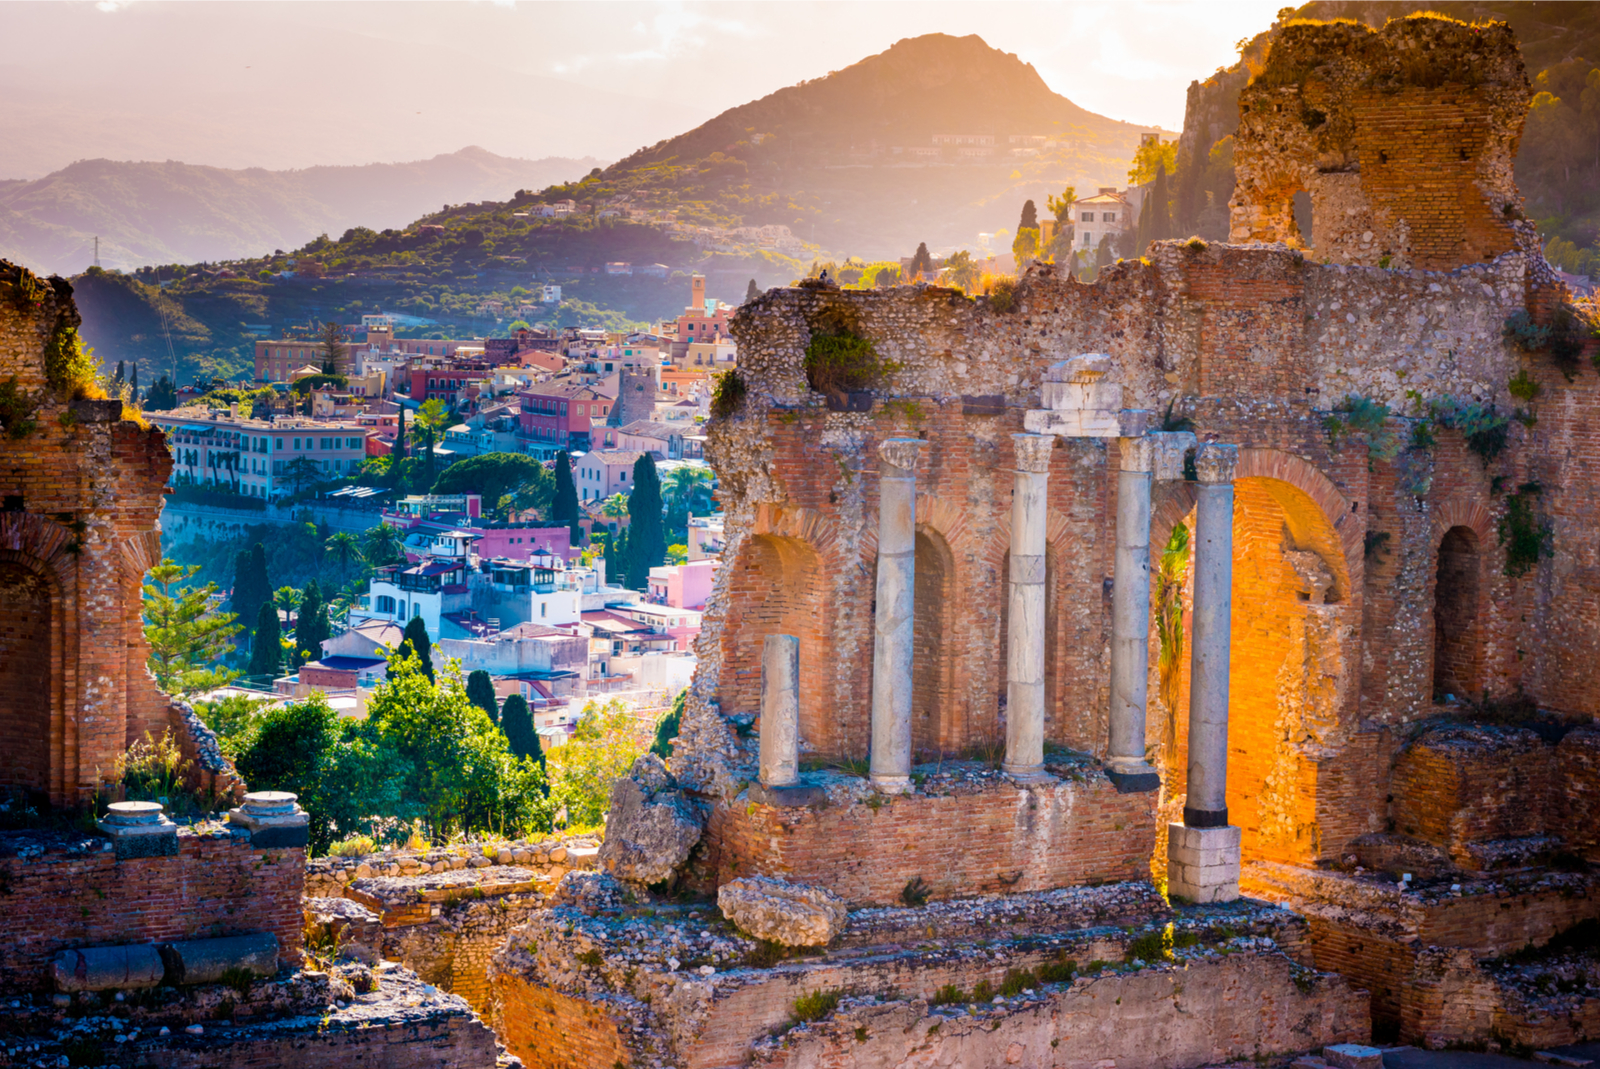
<point>185,635</point>
<point>647,545</point>
<point>517,722</point>
<point>266,656</point>
<point>1030,217</point>
<point>480,692</point>
<point>564,506</point>
<point>416,641</point>
<point>311,626</point>
<point>751,292</point>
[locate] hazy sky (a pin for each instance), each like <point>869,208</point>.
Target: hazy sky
<point>295,84</point>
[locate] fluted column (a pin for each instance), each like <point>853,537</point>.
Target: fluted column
<point>780,711</point>
<point>1025,629</point>
<point>1203,852</point>
<point>894,621</point>
<point>1130,619</point>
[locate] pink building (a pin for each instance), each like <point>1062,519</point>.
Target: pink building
<point>683,586</point>
<point>520,543</point>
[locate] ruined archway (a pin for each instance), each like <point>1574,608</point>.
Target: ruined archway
<point>779,588</point>
<point>27,626</point>
<point>1457,651</point>
<point>933,662</point>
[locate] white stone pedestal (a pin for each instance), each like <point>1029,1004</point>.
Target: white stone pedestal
<point>1203,863</point>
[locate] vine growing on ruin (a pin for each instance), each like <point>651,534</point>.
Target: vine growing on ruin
<point>1527,538</point>
<point>1170,574</point>
<point>1366,417</point>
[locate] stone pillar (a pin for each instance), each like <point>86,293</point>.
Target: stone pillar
<point>1130,620</point>
<point>274,820</point>
<point>139,829</point>
<point>893,623</point>
<point>1203,851</point>
<point>780,711</point>
<point>1025,629</point>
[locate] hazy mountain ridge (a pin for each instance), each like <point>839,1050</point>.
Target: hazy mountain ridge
<point>172,212</point>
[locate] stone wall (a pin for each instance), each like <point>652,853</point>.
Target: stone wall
<point>81,493</point>
<point>61,893</point>
<point>548,858</point>
<point>1403,138</point>
<point>960,832</point>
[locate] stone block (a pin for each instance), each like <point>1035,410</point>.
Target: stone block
<point>589,892</point>
<point>273,819</point>
<point>799,794</point>
<point>1203,863</point>
<point>783,912</point>
<point>651,827</point>
<point>206,961</point>
<point>107,968</point>
<point>1353,1056</point>
<point>1092,423</point>
<point>139,829</point>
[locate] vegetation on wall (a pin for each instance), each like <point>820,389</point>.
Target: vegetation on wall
<point>1526,538</point>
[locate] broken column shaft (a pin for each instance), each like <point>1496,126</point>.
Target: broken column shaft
<point>1130,619</point>
<point>894,620</point>
<point>780,711</point>
<point>1025,628</point>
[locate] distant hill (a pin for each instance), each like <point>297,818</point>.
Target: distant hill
<point>854,161</point>
<point>174,212</point>
<point>1557,169</point>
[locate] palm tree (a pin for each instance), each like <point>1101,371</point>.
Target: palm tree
<point>614,506</point>
<point>687,490</point>
<point>382,544</point>
<point>344,548</point>
<point>433,417</point>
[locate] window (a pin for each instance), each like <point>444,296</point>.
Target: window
<point>385,603</point>
<point>1108,217</point>
<point>1088,239</point>
<point>541,609</point>
<point>1087,217</point>
<point>297,443</point>
<point>280,443</point>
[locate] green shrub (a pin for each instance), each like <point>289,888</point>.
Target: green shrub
<point>1060,971</point>
<point>727,394</point>
<point>1003,295</point>
<point>1526,539</point>
<point>817,1004</point>
<point>16,410</point>
<point>949,995</point>
<point>915,892</point>
<point>1483,426</point>
<point>1523,386</point>
<point>1151,947</point>
<point>842,363</point>
<point>1016,981</point>
<point>983,992</point>
<point>1366,417</point>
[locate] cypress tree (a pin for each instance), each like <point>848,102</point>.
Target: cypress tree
<point>260,584</point>
<point>922,260</point>
<point>647,544</point>
<point>311,628</point>
<point>751,292</point>
<point>416,641</point>
<point>564,506</point>
<point>399,452</point>
<point>1030,217</point>
<point>266,656</point>
<point>133,381</point>
<point>1160,218</point>
<point>250,586</point>
<point>517,722</point>
<point>480,692</point>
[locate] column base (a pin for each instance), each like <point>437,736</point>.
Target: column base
<point>890,784</point>
<point>1025,774</point>
<point>1132,777</point>
<point>1203,863</point>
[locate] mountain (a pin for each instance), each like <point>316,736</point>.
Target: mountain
<point>861,161</point>
<point>174,212</point>
<point>1557,169</point>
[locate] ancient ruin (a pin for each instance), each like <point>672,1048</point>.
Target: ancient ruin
<point>1193,666</point>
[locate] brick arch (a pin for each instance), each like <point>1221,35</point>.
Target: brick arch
<point>1305,477</point>
<point>38,646</point>
<point>1459,512</point>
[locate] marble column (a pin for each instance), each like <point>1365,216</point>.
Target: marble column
<point>1203,851</point>
<point>780,711</point>
<point>1130,619</point>
<point>894,622</point>
<point>1025,628</point>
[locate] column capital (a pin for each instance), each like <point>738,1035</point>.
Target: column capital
<point>1033,452</point>
<point>1215,463</point>
<point>900,452</point>
<point>1171,447</point>
<point>1138,453</point>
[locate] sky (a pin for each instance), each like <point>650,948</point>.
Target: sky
<point>294,84</point>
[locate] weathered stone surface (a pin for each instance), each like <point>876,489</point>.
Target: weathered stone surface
<point>783,912</point>
<point>1353,1056</point>
<point>106,968</point>
<point>589,892</point>
<point>651,826</point>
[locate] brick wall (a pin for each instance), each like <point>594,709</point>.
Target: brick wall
<point>1458,786</point>
<point>992,838</point>
<point>554,1031</point>
<point>219,884</point>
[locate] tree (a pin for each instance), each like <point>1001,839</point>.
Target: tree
<point>415,641</point>
<point>1061,207</point>
<point>331,343</point>
<point>647,546</point>
<point>921,265</point>
<point>286,598</point>
<point>480,692</point>
<point>250,585</point>
<point>564,503</point>
<point>266,653</point>
<point>431,419</point>
<point>1025,247</point>
<point>302,472</point>
<point>382,545</point>
<point>602,749</point>
<point>495,476</point>
<point>311,628</point>
<point>960,269</point>
<point>185,635</point>
<point>1102,256</point>
<point>133,382</point>
<point>517,722</point>
<point>751,292</point>
<point>667,729</point>
<point>1159,226</point>
<point>344,549</point>
<point>1152,155</point>
<point>400,437</point>
<point>686,490</point>
<point>1030,217</point>
<point>163,395</point>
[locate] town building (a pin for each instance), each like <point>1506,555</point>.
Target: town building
<point>259,458</point>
